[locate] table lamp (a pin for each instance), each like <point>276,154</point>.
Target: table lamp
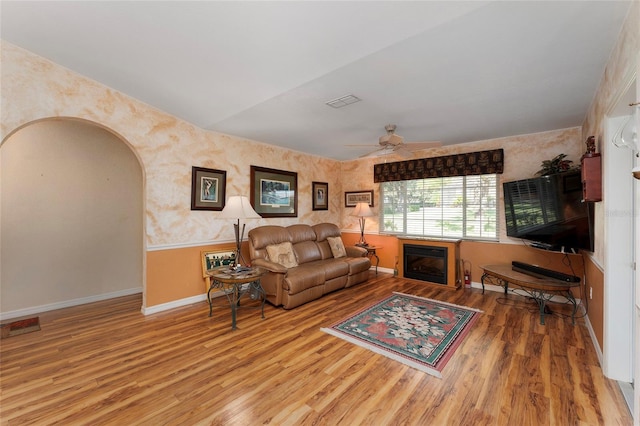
<point>362,210</point>
<point>238,207</point>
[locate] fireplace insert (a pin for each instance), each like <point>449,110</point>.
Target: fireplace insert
<point>426,263</point>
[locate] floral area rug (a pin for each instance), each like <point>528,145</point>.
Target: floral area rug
<point>422,333</point>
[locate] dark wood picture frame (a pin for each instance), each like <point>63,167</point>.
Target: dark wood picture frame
<point>274,193</point>
<point>320,195</point>
<point>355,197</point>
<point>208,188</point>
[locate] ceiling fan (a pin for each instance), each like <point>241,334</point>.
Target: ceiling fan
<point>391,143</point>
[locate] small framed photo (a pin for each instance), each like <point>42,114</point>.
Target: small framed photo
<point>320,194</point>
<point>208,188</point>
<point>214,259</point>
<point>274,193</point>
<point>353,198</point>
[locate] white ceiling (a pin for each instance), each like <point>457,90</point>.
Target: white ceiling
<point>441,70</point>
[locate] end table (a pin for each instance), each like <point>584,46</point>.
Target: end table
<point>371,252</point>
<point>234,285</point>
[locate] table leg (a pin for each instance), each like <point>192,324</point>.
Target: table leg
<point>209,299</point>
<point>261,293</point>
<point>234,306</point>
<point>377,261</point>
<point>572,299</point>
<point>541,304</point>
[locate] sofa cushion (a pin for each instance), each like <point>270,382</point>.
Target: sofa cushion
<point>324,230</point>
<point>302,278</point>
<point>307,251</point>
<point>358,264</point>
<point>282,254</point>
<point>263,236</point>
<point>301,232</point>
<point>334,269</point>
<point>337,246</point>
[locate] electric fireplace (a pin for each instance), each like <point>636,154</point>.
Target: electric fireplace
<point>425,263</point>
<point>436,262</point>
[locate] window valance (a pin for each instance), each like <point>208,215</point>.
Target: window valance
<point>472,163</point>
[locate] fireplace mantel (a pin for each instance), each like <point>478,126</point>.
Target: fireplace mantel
<point>453,250</point>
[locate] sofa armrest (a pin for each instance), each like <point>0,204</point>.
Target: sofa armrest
<point>269,266</point>
<point>355,251</point>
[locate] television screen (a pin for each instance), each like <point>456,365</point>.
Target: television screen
<point>548,210</point>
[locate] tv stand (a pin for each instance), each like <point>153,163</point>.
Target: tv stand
<point>541,290</point>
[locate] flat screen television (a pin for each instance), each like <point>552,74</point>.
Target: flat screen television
<point>549,212</point>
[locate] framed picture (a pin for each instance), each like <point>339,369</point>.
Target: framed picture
<point>353,198</point>
<point>320,195</point>
<point>274,193</point>
<point>207,188</point>
<point>213,259</point>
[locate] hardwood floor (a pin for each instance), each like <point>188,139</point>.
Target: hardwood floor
<point>106,363</point>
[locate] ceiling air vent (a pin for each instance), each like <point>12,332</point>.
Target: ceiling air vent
<point>343,101</point>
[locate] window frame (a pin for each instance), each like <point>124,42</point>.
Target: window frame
<point>465,232</point>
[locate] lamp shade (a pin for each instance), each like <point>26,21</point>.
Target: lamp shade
<point>362,210</point>
<point>239,207</point>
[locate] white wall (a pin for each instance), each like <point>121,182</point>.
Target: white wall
<point>72,215</point>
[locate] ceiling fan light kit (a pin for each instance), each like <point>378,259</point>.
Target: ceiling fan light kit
<point>390,138</point>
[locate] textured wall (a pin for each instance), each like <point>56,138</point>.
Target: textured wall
<point>622,67</point>
<point>34,88</point>
<point>523,156</point>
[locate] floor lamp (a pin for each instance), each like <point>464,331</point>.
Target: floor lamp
<point>362,210</point>
<point>238,207</point>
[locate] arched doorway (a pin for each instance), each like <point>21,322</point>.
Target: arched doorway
<point>71,217</point>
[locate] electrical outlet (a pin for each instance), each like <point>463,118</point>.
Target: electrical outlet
<point>590,293</point>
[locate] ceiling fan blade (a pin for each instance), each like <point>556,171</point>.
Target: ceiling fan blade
<point>401,151</point>
<point>378,152</point>
<point>417,146</point>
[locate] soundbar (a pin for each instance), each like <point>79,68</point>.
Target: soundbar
<point>533,269</point>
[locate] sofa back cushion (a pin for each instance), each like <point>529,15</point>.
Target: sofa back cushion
<point>303,239</point>
<point>263,236</point>
<point>323,231</point>
<point>300,232</point>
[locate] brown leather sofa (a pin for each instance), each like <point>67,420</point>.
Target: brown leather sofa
<point>314,271</point>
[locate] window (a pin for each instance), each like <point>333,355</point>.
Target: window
<point>450,207</point>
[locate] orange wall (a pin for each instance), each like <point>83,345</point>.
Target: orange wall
<point>176,274</point>
<point>487,253</point>
<point>388,246</point>
<point>478,253</point>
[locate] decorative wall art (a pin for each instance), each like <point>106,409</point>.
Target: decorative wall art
<point>274,193</point>
<point>207,188</point>
<point>320,195</point>
<point>353,198</point>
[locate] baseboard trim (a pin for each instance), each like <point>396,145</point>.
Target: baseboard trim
<point>178,303</point>
<point>173,304</point>
<point>594,340</point>
<point>67,303</point>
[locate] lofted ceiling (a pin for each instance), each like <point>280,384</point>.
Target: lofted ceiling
<point>449,71</point>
